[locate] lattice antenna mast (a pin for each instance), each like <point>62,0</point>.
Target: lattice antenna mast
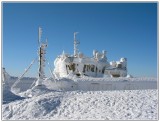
<point>75,45</point>
<point>41,55</point>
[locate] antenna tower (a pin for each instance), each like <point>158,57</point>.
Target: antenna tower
<point>75,45</point>
<point>41,55</point>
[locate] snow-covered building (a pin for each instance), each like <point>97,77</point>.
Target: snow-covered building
<point>95,66</point>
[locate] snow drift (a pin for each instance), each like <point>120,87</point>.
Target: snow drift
<point>90,105</point>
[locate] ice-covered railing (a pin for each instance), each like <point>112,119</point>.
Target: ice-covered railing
<point>102,84</point>
<point>139,79</point>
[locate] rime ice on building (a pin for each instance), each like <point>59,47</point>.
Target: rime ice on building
<point>95,66</point>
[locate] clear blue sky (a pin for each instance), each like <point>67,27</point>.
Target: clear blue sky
<point>123,29</point>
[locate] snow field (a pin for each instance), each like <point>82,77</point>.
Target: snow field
<point>86,105</point>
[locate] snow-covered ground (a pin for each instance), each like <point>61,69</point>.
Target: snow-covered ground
<point>83,98</point>
<point>85,105</point>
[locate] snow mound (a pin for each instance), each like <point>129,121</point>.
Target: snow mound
<point>90,105</point>
<point>31,108</point>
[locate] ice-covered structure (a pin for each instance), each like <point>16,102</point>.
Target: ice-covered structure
<point>117,68</point>
<point>8,95</point>
<point>5,75</point>
<point>95,66</point>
